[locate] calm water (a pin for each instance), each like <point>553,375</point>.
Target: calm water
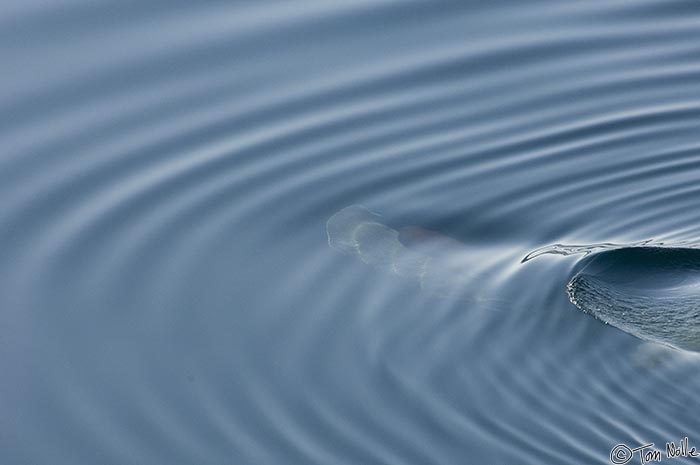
<point>293,232</point>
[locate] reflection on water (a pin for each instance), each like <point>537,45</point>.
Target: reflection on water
<point>171,175</point>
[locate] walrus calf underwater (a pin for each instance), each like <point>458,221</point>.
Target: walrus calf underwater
<point>433,260</point>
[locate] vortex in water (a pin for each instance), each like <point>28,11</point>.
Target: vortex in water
<point>650,292</point>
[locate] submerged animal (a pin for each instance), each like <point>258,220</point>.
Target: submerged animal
<point>431,259</point>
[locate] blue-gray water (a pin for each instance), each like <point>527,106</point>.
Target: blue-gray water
<point>186,271</point>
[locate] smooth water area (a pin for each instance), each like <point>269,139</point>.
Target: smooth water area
<point>348,232</point>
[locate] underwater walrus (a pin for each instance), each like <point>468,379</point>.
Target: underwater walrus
<point>431,259</point>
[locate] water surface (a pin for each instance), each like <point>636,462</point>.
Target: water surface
<point>167,176</point>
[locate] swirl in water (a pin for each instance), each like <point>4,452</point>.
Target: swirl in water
<point>650,292</point>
